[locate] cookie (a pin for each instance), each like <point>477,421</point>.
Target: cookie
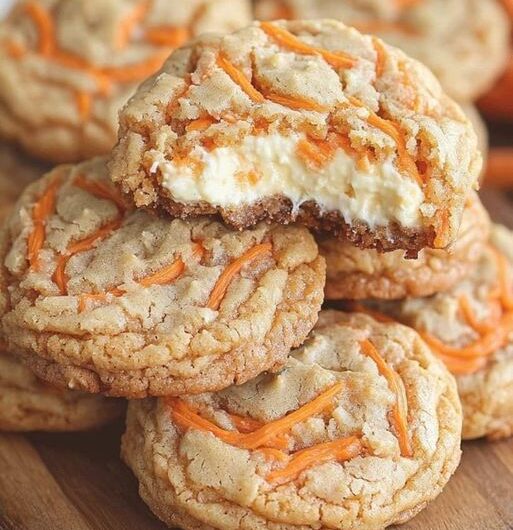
<point>361,429</point>
<point>471,329</point>
<point>480,129</point>
<point>305,121</point>
<point>356,274</point>
<point>28,404</point>
<point>103,299</point>
<point>68,66</point>
<point>464,42</point>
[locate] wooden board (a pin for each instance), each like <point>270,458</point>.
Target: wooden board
<point>77,482</point>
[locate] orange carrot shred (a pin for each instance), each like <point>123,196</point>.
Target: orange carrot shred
<point>270,453</point>
<point>288,40</point>
<point>129,23</point>
<point>483,347</point>
<point>42,209</point>
<point>223,282</point>
<point>398,412</point>
<point>296,103</point>
<point>84,102</point>
<point>15,49</point>
<point>186,418</point>
<point>239,79</point>
<point>45,26</point>
<point>173,37</point>
<point>59,276</point>
<point>481,327</point>
<point>339,450</point>
<point>380,56</point>
<point>404,159</point>
<point>100,190</point>
<point>200,124</point>
<point>135,72</point>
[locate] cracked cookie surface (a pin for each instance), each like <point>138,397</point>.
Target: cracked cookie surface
<point>101,298</point>
<point>356,274</point>
<point>307,121</point>
<point>464,42</point>
<point>67,67</point>
<point>361,429</point>
<point>471,329</point>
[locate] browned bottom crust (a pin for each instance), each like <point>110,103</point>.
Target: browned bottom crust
<point>280,210</point>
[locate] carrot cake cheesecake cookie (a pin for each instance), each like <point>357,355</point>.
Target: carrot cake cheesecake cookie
<point>68,66</point>
<point>309,121</point>
<point>360,430</point>
<point>471,329</point>
<point>356,274</point>
<point>100,298</point>
<point>464,42</point>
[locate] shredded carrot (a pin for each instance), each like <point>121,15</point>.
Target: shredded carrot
<point>100,190</point>
<point>173,37</point>
<point>245,424</point>
<point>296,102</point>
<point>440,240</point>
<point>129,23</point>
<point>380,56</point>
<point>186,418</point>
<point>508,6</point>
<point>272,454</point>
<point>59,276</point>
<point>221,286</point>
<point>481,327</point>
<point>163,276</point>
<point>463,366</point>
<point>483,347</point>
<point>399,410</point>
<point>315,153</point>
<point>405,160</point>
<point>338,450</point>
<point>84,102</point>
<point>15,49</point>
<point>288,40</point>
<point>499,167</point>
<point>200,124</point>
<point>45,26</point>
<point>238,77</point>
<point>42,209</point>
<point>135,72</point>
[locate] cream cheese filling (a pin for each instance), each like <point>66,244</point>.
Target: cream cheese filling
<point>265,166</point>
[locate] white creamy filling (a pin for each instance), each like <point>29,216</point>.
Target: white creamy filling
<point>377,196</point>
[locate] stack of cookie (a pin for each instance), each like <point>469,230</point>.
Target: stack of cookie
<point>66,68</point>
<point>261,410</point>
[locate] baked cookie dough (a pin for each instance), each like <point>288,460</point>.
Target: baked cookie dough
<point>355,274</point>
<point>471,329</point>
<point>67,67</point>
<point>28,404</point>
<point>99,298</point>
<point>464,42</point>
<point>307,121</point>
<point>360,430</point>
